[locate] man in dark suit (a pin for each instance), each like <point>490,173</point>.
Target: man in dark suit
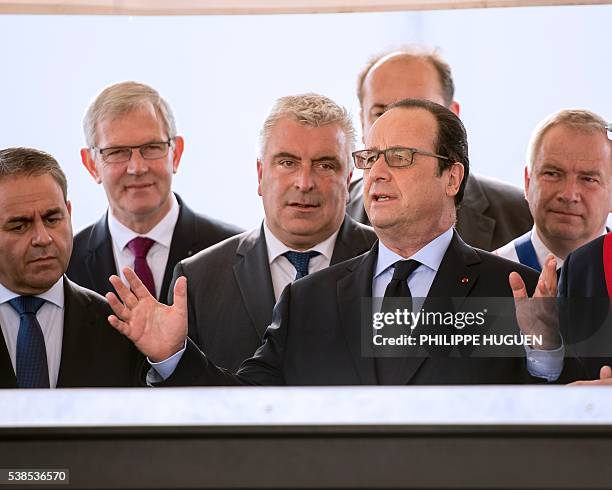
<point>133,150</point>
<point>414,174</point>
<point>55,333</point>
<point>492,213</point>
<point>585,289</point>
<point>304,167</point>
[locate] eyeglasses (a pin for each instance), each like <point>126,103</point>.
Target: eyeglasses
<point>148,151</point>
<point>395,157</point>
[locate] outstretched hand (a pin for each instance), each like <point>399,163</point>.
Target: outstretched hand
<point>538,315</point>
<point>157,330</point>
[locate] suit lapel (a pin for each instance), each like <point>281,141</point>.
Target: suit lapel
<point>351,291</point>
<point>7,373</point>
<point>254,279</point>
<point>182,245</point>
<point>351,241</point>
<point>100,262</point>
<point>74,358</point>
<point>472,214</point>
<point>454,279</point>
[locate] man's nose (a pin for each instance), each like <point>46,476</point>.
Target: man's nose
<point>304,179</point>
<point>41,236</point>
<point>379,170</point>
<point>570,191</point>
<point>137,165</point>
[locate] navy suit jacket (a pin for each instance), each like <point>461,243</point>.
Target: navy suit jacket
<point>585,308</point>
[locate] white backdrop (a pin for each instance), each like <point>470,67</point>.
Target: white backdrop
<point>222,73</point>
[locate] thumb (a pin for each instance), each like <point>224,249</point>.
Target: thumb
<point>518,286</point>
<point>180,295</point>
<point>605,372</point>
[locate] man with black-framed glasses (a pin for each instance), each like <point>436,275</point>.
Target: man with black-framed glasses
<point>416,162</point>
<point>133,150</point>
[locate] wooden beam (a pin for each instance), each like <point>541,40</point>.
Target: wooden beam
<point>228,7</point>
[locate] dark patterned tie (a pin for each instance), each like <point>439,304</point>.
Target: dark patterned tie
<point>300,261</point>
<point>140,247</point>
<point>32,369</point>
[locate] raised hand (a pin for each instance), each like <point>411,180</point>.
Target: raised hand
<point>157,330</point>
<point>539,314</point>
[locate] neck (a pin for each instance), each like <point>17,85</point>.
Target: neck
<point>409,240</point>
<point>142,223</point>
<point>561,248</point>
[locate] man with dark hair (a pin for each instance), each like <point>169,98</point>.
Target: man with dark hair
<point>133,150</point>
<point>411,191</point>
<point>492,213</point>
<point>54,332</point>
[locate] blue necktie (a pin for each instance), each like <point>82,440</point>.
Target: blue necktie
<point>300,261</point>
<point>32,370</point>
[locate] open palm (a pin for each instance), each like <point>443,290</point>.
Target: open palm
<point>157,330</point>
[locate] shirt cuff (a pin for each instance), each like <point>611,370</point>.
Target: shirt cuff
<point>546,364</point>
<point>162,370</point>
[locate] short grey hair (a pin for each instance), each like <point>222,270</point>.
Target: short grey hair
<point>121,98</point>
<point>579,119</point>
<point>313,110</point>
<point>29,162</point>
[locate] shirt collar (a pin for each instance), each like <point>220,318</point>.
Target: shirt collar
<point>276,248</point>
<point>161,232</point>
<point>430,255</point>
<point>55,294</point>
<point>541,249</point>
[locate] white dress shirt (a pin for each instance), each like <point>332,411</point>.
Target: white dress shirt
<point>51,319</point>
<point>283,272</point>
<point>157,258</point>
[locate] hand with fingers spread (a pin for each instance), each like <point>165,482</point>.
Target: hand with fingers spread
<point>538,315</point>
<point>157,330</point>
<point>605,379</point>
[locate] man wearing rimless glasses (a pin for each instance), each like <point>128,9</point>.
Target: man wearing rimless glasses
<point>133,150</point>
<point>415,167</point>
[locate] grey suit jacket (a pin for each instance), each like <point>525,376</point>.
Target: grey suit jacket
<point>230,292</point>
<point>492,213</point>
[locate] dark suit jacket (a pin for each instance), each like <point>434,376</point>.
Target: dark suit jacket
<point>491,214</point>
<point>230,292</point>
<point>92,261</point>
<point>314,338</point>
<point>93,353</point>
<point>585,309</point>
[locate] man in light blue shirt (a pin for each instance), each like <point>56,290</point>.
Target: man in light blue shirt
<point>415,169</point>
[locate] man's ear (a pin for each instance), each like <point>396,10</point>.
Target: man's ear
<point>89,161</point>
<point>259,175</point>
<point>527,180</point>
<point>179,146</point>
<point>455,176</point>
<point>455,108</point>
